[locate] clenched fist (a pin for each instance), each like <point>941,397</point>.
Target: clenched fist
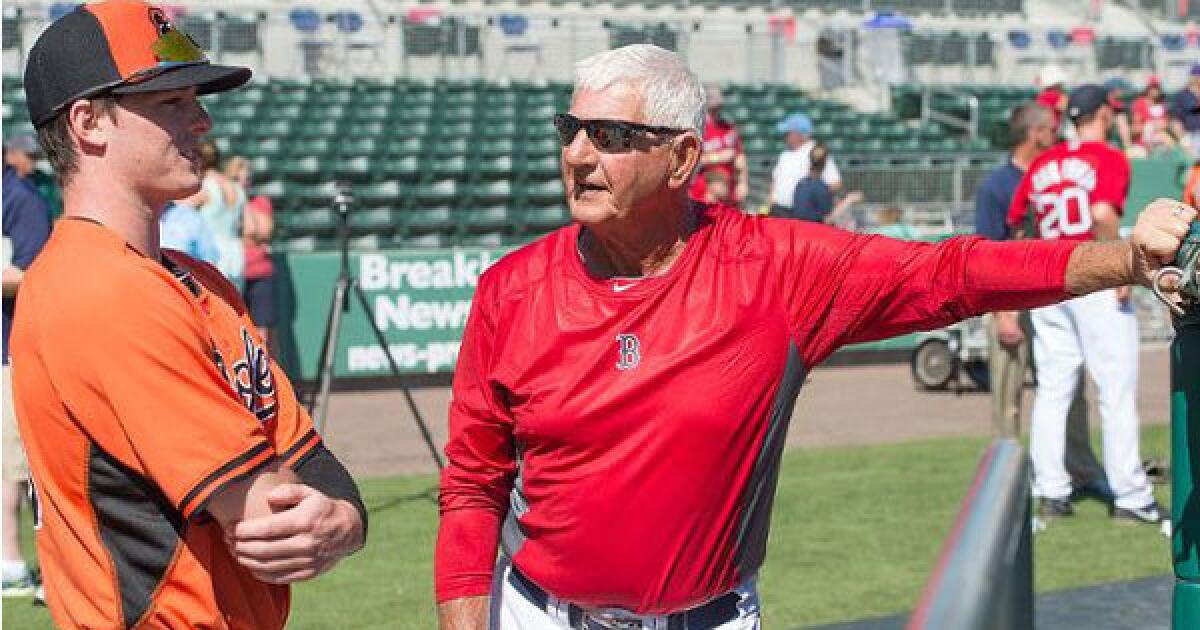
<point>1156,238</point>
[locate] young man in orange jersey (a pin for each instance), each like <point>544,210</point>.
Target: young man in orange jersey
<point>180,483</point>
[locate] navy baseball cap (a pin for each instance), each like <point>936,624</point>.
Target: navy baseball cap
<point>1087,99</point>
<point>116,47</point>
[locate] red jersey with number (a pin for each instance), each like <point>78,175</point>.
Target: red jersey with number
<point>621,439</point>
<point>1061,186</point>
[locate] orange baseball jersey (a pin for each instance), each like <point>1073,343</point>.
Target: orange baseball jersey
<point>142,389</point>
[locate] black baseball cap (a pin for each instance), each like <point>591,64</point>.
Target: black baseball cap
<point>117,47</point>
<point>1087,99</point>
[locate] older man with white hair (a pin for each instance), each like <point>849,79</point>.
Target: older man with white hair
<point>625,383</point>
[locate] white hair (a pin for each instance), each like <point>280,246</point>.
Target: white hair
<point>671,94</point>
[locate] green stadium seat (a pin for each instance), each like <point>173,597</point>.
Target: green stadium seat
<point>400,146</point>
<point>542,167</point>
<point>355,146</point>
<point>318,195</point>
<point>308,222</point>
<point>271,129</point>
<point>371,221</point>
<point>293,111</point>
<point>370,113</point>
<point>368,243</point>
<point>356,169</point>
<point>546,192</point>
<point>546,218</point>
<point>431,240</point>
<point>365,129</point>
<point>496,147</point>
<point>313,128</point>
<point>303,169</point>
<point>450,167</point>
<point>489,130</point>
<point>263,147</point>
<point>229,129</point>
<point>541,148</point>
<point>486,239</point>
<point>244,111</point>
<point>387,193</point>
<point>303,244</point>
<point>457,113</point>
<point>317,147</point>
<point>408,129</point>
<point>495,167</point>
<point>484,193</point>
<point>485,218</point>
<point>425,219</point>
<point>441,192</point>
<point>406,168</point>
<point>450,146</point>
<point>456,130</point>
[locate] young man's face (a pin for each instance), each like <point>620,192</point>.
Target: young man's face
<point>154,143</point>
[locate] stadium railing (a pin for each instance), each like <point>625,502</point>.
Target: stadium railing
<point>983,578</point>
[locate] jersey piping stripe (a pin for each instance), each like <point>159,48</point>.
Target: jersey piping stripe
<point>302,449</point>
<point>246,463</point>
<point>759,498</point>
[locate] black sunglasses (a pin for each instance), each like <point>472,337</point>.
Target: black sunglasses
<point>607,135</point>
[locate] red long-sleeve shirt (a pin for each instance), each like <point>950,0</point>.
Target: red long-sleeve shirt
<point>626,435</point>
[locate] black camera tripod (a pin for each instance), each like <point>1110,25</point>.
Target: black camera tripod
<point>346,283</point>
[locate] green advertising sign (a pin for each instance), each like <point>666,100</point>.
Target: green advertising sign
<point>420,300</point>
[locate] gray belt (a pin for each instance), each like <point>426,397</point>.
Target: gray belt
<point>714,613</point>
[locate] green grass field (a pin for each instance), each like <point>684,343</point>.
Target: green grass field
<point>856,531</point>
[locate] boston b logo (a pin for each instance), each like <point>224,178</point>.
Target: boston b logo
<point>629,351</point>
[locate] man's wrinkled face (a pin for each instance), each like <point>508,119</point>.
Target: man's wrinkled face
<point>613,184</point>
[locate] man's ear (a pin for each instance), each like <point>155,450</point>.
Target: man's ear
<point>685,155</point>
<point>90,125</point>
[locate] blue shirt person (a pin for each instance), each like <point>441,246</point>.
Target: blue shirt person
<point>992,200</point>
<point>182,228</point>
<point>812,200</point>
<point>26,230</point>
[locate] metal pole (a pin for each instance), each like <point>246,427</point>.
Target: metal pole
<point>1185,441</point>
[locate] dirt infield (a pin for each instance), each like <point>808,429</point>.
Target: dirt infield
<point>374,434</point>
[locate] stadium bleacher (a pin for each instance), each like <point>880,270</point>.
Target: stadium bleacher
<point>468,162</point>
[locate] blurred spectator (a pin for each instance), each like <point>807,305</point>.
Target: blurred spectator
<point>812,200</point>
<point>182,228</point>
<point>711,187</point>
<point>722,152</point>
<point>26,228</point>
<point>794,164</point>
<point>1122,124</point>
<point>260,270</point>
<point>22,153</point>
<point>1185,112</point>
<point>889,222</point>
<point>1150,114</point>
<point>222,203</point>
<point>1052,82</point>
<point>1191,186</point>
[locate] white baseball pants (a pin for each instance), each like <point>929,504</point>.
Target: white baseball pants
<point>510,610</point>
<point>1097,333</point>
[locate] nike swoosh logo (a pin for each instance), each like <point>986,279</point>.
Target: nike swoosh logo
<point>617,288</point>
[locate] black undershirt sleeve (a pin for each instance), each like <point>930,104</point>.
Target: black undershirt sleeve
<point>321,470</point>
